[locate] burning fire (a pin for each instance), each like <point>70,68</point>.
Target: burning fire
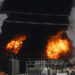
<point>15,44</point>
<point>2,73</point>
<point>57,46</point>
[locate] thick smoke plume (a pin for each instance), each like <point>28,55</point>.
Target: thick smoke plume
<point>2,16</point>
<point>71,30</point>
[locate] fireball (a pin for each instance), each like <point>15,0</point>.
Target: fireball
<point>57,46</point>
<point>15,44</point>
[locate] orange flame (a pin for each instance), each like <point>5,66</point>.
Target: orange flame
<point>2,73</point>
<point>15,45</point>
<point>57,46</point>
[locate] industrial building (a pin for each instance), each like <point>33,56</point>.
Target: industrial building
<point>41,67</point>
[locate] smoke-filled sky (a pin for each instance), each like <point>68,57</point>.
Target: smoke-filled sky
<point>59,6</point>
<point>37,34</point>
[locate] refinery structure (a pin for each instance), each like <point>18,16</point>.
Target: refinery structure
<point>40,67</point>
<point>57,48</point>
<point>56,61</point>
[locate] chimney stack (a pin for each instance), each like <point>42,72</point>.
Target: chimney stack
<point>13,66</point>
